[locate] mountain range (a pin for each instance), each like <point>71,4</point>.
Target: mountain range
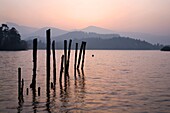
<point>23,30</point>
<point>28,33</point>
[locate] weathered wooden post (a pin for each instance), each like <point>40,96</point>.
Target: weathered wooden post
<point>52,85</point>
<point>68,61</point>
<point>79,59</point>
<point>54,63</point>
<point>22,87</point>
<point>61,69</point>
<point>27,91</point>
<point>84,49</point>
<point>65,61</point>
<point>33,84</point>
<point>78,71</point>
<point>48,59</point>
<point>75,61</point>
<point>19,83</point>
<point>39,91</point>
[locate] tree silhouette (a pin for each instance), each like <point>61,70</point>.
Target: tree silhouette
<point>10,39</point>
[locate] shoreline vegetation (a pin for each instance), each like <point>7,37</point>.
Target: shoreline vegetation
<point>116,43</point>
<point>166,48</point>
<point>10,40</point>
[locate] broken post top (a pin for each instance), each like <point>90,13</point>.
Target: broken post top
<point>48,32</point>
<point>34,49</point>
<point>48,37</point>
<point>53,44</point>
<point>34,40</point>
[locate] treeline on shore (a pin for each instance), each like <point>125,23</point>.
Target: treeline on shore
<point>119,43</point>
<point>10,39</point>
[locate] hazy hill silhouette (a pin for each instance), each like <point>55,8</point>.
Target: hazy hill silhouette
<point>82,35</point>
<point>41,33</point>
<point>102,41</point>
<point>28,33</point>
<point>23,30</point>
<point>152,38</point>
<point>98,30</point>
<point>31,32</point>
<point>94,40</point>
<point>115,43</point>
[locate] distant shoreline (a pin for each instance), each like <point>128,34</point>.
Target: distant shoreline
<point>89,49</point>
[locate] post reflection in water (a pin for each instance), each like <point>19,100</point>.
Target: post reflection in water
<point>69,94</point>
<point>71,98</point>
<point>53,101</point>
<point>54,94</point>
<point>64,96</point>
<point>34,101</point>
<point>20,104</point>
<point>79,90</point>
<point>48,101</point>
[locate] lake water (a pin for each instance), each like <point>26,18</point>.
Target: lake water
<point>114,81</point>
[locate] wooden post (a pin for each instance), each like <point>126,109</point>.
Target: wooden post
<point>65,60</point>
<point>61,69</point>
<point>68,61</point>
<point>54,63</point>
<point>39,91</point>
<point>48,59</point>
<point>84,49</point>
<point>78,71</point>
<point>75,61</point>
<point>33,84</point>
<point>19,82</point>
<point>27,91</point>
<point>81,48</point>
<point>52,85</point>
<point>22,88</point>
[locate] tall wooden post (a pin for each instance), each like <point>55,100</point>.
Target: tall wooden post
<point>75,61</point>
<point>65,60</point>
<point>54,63</point>
<point>48,59</point>
<point>84,49</point>
<point>33,84</point>
<point>68,61</point>
<point>79,59</point>
<point>61,69</point>
<point>19,83</point>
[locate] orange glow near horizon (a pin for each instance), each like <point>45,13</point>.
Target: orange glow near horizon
<point>117,15</point>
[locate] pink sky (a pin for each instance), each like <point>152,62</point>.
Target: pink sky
<point>150,16</point>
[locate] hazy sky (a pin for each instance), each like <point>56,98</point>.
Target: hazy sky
<point>151,16</point>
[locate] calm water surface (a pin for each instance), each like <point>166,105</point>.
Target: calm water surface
<point>113,81</point>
